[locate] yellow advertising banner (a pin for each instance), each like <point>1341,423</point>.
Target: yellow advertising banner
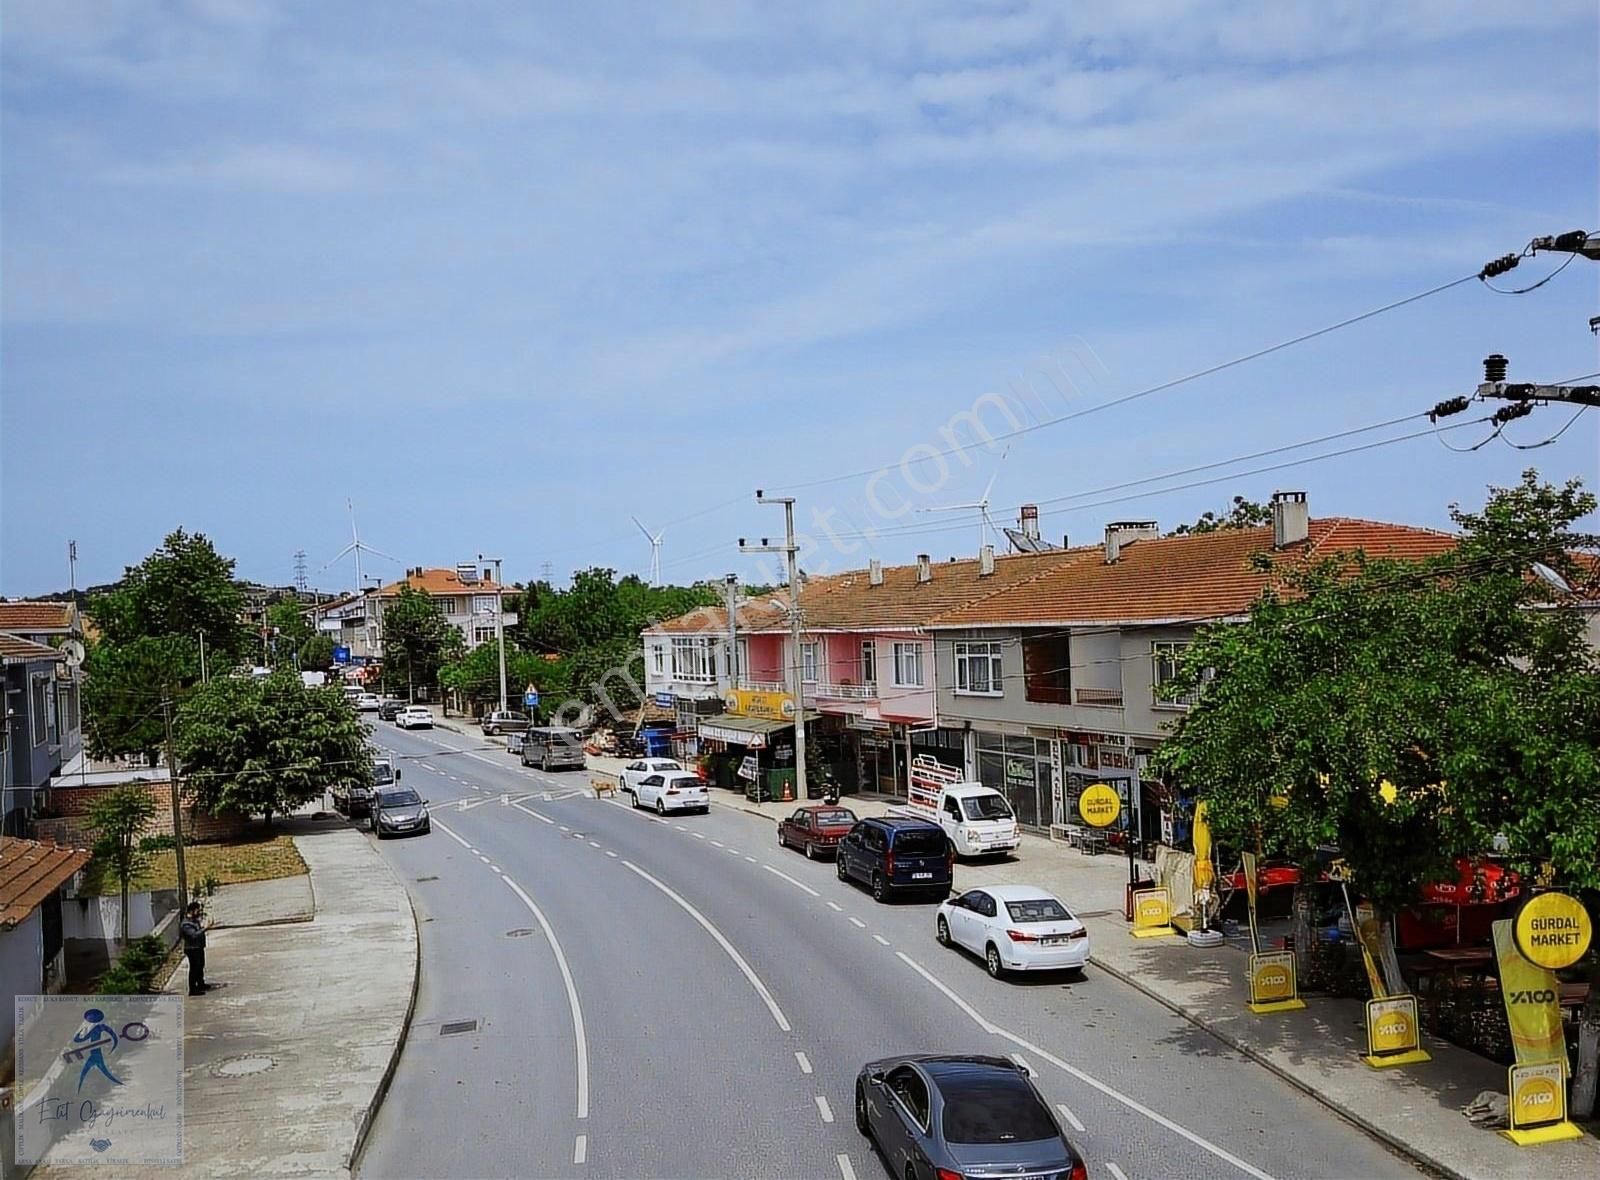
<point>1152,912</point>
<point>1393,1036</point>
<point>1369,936</point>
<point>1538,1105</point>
<point>1204,873</point>
<point>1532,996</point>
<point>1273,987</point>
<point>770,706</point>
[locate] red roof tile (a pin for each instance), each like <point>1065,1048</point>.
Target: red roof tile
<point>30,872</point>
<point>1192,577</point>
<point>759,614</point>
<point>850,602</point>
<point>29,617</point>
<point>438,581</point>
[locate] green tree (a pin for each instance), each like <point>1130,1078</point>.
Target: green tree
<point>417,641</point>
<point>476,675</point>
<point>123,687</point>
<point>118,818</point>
<point>291,631</point>
<point>316,654</point>
<point>266,745</point>
<point>184,589</point>
<point>1241,514</point>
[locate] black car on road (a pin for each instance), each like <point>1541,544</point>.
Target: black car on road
<point>389,708</point>
<point>940,1116</point>
<point>895,855</point>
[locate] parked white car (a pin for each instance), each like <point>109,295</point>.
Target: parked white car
<point>1014,928</point>
<point>414,717</point>
<point>672,791</point>
<point>628,780</point>
<point>368,702</point>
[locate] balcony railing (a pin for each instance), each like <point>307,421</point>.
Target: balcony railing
<point>847,692</point>
<point>762,685</point>
<point>1110,698</point>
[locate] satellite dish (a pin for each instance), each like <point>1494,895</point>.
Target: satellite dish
<point>1552,579</point>
<point>73,650</point>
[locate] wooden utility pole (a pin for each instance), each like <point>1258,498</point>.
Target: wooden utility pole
<point>174,791</point>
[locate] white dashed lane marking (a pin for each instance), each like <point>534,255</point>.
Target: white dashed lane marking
<point>1116,1171</point>
<point>803,1060</point>
<point>845,1170</point>
<point>1073,1120</point>
<point>836,907</point>
<point>824,1109</point>
<point>880,939</point>
<point>858,922</point>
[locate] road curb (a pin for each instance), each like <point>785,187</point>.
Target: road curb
<point>381,1091</point>
<point>1405,1149</point>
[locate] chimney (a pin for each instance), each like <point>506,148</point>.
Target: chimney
<point>986,561</point>
<point>1066,541</point>
<point>1125,532</point>
<point>1291,519</point>
<point>875,572</point>
<point>924,568</point>
<point>1029,520</point>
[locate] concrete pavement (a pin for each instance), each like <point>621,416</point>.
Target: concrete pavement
<point>286,1062</point>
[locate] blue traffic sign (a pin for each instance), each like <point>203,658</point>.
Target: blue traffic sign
<point>531,698</point>
<point>341,655</point>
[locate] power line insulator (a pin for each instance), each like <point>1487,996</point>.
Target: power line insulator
<point>1447,407</point>
<point>1494,368</point>
<point>1511,413</point>
<point>1499,266</point>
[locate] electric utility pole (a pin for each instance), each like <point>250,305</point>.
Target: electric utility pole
<point>1525,396</point>
<point>794,677</point>
<point>499,624</point>
<point>730,588</point>
<point>173,791</point>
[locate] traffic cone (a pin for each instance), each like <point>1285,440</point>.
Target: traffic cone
<point>788,791</point>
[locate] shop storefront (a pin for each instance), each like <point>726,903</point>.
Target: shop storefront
<point>1024,770</point>
<point>1091,758</point>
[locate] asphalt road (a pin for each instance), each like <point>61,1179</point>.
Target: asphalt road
<point>685,999</point>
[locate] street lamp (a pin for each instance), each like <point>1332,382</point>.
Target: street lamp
<point>499,624</point>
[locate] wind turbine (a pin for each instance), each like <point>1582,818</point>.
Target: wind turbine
<point>986,526</point>
<point>655,551</point>
<point>358,548</point>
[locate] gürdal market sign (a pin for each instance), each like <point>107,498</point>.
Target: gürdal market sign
<point>1553,930</point>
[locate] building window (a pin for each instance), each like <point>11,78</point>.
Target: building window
<point>658,659</point>
<point>482,635</point>
<point>1046,670</point>
<point>741,659</point>
<point>39,691</point>
<point>869,662</point>
<point>908,665</point>
<point>808,662</point>
<point>483,604</point>
<point>1166,657</point>
<point>978,669</point>
<point>692,659</point>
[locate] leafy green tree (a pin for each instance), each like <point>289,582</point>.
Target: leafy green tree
<point>184,589</point>
<point>316,654</point>
<point>417,641</point>
<point>291,631</point>
<point>476,675</point>
<point>118,818</point>
<point>266,745</point>
<point>1241,514</point>
<point>123,687</point>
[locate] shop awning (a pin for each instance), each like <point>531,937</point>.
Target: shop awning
<point>746,731</point>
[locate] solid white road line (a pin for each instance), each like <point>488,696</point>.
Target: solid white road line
<point>800,885</point>
<point>805,1062</point>
<point>845,1170</point>
<point>578,1036</point>
<point>1073,1120</point>
<point>580,1150</point>
<point>1115,1095</point>
<point>1022,1063</point>
<point>858,923</point>
<point>824,1109</point>
<point>738,959</point>
<point>880,939</point>
<point>1116,1171</point>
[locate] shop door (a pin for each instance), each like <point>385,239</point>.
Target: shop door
<point>1022,788</point>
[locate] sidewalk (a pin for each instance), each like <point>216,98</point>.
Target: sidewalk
<point>287,1061</point>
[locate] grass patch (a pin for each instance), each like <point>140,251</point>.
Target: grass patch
<point>254,858</point>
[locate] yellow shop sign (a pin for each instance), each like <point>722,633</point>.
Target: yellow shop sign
<point>1538,1107</point>
<point>1553,930</point>
<point>1273,987</point>
<point>771,706</point>
<point>1152,912</point>
<point>1099,805</point>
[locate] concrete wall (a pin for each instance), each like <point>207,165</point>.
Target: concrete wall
<point>21,970</point>
<point>91,927</point>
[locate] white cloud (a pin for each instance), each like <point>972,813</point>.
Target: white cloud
<point>282,168</point>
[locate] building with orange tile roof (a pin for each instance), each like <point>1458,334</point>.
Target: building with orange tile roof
<point>466,595</point>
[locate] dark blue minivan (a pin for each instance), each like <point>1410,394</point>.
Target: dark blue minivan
<point>896,856</point>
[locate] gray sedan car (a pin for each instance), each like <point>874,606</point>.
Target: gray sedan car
<point>399,811</point>
<point>935,1116</point>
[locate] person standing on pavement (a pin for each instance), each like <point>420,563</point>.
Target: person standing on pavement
<point>193,930</point>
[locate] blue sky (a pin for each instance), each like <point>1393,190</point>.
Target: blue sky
<point>504,275</point>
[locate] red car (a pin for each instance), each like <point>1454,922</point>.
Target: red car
<point>816,830</point>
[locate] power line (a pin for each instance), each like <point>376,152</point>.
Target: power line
<point>1154,389</point>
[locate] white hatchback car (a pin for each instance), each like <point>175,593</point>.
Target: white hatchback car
<point>634,771</point>
<point>414,717</point>
<point>1014,928</point>
<point>369,702</point>
<point>672,791</point>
